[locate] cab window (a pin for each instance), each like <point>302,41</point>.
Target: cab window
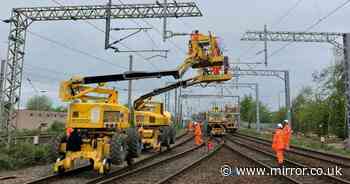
<point>111,116</point>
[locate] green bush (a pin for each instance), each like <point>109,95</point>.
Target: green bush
<point>56,127</point>
<point>6,162</point>
<point>42,154</point>
<point>24,154</point>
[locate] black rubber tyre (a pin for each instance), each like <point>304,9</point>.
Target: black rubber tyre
<point>119,149</point>
<point>133,142</point>
<point>165,136</point>
<point>172,134</point>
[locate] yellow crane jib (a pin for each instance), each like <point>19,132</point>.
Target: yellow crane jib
<point>77,88</point>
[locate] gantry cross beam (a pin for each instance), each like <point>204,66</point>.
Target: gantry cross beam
<point>281,74</point>
<point>21,18</point>
<point>207,95</point>
<point>136,11</point>
<point>289,36</point>
<point>265,73</point>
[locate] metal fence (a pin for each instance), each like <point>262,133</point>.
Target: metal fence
<point>34,139</point>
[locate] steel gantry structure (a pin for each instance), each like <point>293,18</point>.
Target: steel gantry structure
<point>185,96</point>
<point>22,18</point>
<point>237,72</point>
<point>281,74</point>
<point>288,36</point>
<point>340,41</point>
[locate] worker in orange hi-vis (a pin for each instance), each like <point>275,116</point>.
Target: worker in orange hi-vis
<point>287,133</point>
<point>69,130</point>
<point>197,134</point>
<point>278,144</point>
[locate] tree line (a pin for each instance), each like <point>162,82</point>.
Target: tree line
<point>43,103</point>
<point>317,109</point>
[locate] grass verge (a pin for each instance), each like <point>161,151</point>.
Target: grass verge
<point>299,142</point>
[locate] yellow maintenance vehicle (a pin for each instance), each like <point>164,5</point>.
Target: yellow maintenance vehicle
<point>155,124</point>
<point>101,130</point>
<point>222,121</point>
<point>216,121</point>
<point>232,118</point>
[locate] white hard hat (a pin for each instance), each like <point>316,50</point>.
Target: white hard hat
<point>279,125</point>
<point>286,120</point>
<point>195,123</point>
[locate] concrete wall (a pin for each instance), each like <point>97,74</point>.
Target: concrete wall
<point>28,119</point>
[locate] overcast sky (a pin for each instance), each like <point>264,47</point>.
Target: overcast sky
<point>46,64</point>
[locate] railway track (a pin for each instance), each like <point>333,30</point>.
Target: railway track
<point>84,174</point>
<point>181,147</point>
<point>266,157</point>
<point>164,169</point>
<point>190,166</point>
<point>258,162</point>
<point>208,170</point>
<point>60,177</point>
<point>311,158</point>
<point>326,157</point>
<point>151,173</point>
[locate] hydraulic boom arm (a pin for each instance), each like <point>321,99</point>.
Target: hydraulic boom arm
<point>139,103</point>
<point>77,88</point>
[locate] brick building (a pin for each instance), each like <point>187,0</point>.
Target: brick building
<point>28,119</point>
